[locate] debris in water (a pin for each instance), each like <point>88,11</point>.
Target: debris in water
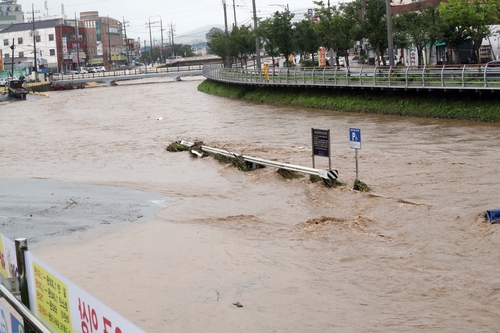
<point>360,186</point>
<point>176,146</point>
<point>288,174</point>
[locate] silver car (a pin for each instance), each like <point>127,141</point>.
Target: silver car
<point>5,81</point>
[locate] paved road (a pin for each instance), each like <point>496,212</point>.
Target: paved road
<point>40,208</point>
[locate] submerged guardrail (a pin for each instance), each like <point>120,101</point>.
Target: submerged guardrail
<point>440,78</point>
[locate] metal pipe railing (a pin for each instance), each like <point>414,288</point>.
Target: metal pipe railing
<point>409,77</point>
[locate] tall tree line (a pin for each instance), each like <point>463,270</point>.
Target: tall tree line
<point>339,27</point>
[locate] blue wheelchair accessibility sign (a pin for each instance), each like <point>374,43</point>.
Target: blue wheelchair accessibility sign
<point>355,138</point>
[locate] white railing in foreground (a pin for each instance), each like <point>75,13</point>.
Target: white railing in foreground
<point>446,77</point>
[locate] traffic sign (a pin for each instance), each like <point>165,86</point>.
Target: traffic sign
<point>355,138</point>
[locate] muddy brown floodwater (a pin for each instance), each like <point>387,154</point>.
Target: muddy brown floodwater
<point>414,255</point>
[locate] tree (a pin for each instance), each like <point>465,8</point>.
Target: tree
<point>265,31</point>
<point>470,20</point>
<point>434,24</point>
<point>305,37</point>
<point>347,27</point>
<point>412,25</point>
<point>277,31</point>
<point>375,26</point>
<point>242,42</point>
<point>219,45</point>
<point>213,32</point>
<point>325,26</point>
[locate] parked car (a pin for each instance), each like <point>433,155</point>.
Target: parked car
<point>5,81</point>
<point>83,70</point>
<point>91,69</point>
<point>100,69</point>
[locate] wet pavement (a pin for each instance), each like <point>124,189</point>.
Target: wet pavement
<point>41,208</point>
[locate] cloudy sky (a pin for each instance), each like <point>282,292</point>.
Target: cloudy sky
<point>184,15</point>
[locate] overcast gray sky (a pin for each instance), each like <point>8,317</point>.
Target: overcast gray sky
<point>184,15</point>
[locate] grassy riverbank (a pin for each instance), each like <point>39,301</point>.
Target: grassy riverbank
<point>449,105</point>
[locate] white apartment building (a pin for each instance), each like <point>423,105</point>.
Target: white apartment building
<point>21,36</point>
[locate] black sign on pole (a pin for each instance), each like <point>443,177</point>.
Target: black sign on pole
<point>321,144</point>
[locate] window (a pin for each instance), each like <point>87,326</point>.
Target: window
<point>20,40</point>
<point>5,42</point>
<point>21,55</point>
<point>38,39</point>
<point>51,37</point>
<point>52,52</point>
<point>6,56</point>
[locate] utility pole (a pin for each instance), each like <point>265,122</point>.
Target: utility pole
<point>257,42</point>
<point>77,45</point>
<point>388,17</point>
<point>228,59</point>
<point>172,31</point>
<point>34,33</point>
<point>234,10</point>
<point>150,43</point>
<point>161,47</point>
<point>109,44</point>
<point>126,40</point>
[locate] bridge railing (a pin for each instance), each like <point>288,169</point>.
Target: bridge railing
<point>396,77</point>
<point>125,72</point>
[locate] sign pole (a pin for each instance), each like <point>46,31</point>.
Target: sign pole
<point>357,178</point>
<point>355,143</point>
<point>312,145</point>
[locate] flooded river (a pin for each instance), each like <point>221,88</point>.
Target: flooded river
<point>415,254</point>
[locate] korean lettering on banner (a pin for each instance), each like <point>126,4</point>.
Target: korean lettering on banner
<point>52,299</point>
<point>92,322</point>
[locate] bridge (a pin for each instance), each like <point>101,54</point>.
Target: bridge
<point>474,78</point>
<point>110,78</point>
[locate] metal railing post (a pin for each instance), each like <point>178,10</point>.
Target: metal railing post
<point>463,76</point>
<point>21,248</point>
<point>442,76</point>
<point>423,76</point>
<point>406,76</point>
